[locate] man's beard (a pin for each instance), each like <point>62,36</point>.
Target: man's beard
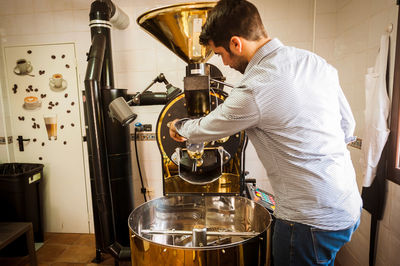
<point>240,63</point>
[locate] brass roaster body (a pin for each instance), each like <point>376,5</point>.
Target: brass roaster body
<point>231,179</point>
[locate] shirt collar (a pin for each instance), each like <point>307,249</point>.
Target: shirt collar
<point>264,50</point>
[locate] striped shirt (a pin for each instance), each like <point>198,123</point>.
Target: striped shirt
<point>294,111</point>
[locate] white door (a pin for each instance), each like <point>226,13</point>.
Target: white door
<point>42,87</point>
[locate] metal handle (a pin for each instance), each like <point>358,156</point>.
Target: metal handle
<point>21,140</point>
<point>223,83</point>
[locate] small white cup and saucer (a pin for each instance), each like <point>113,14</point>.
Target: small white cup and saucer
<point>57,83</point>
<point>23,67</point>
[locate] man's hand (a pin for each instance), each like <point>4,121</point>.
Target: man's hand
<point>173,133</point>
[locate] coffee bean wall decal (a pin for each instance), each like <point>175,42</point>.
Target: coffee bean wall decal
<point>14,89</point>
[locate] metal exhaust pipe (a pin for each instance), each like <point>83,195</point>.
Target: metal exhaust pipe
<point>105,153</point>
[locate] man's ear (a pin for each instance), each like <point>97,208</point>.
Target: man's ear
<point>236,45</point>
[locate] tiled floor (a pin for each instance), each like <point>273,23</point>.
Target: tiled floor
<point>64,250</point>
<point>67,250</point>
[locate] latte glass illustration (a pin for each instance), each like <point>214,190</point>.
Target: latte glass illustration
<point>51,126</point>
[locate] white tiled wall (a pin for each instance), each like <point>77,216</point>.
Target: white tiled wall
<point>352,49</point>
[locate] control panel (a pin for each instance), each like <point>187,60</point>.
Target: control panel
<point>261,196</point>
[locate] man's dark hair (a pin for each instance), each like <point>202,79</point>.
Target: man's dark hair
<point>232,18</point>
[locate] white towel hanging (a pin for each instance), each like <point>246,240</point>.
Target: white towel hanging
<point>376,113</point>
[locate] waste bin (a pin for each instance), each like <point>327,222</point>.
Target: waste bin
<point>21,201</point>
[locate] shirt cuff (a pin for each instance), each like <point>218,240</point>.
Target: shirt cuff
<point>179,124</point>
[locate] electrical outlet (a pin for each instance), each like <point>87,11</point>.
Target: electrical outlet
<point>147,127</point>
<point>144,127</point>
<point>145,136</point>
<point>150,192</point>
<point>356,144</point>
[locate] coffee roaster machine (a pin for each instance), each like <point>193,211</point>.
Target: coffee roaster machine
<point>203,218</point>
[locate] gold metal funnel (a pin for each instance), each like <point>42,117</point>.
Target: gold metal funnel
<point>178,27</point>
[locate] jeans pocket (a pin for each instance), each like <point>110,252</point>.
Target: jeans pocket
<point>327,243</point>
<point>324,250</point>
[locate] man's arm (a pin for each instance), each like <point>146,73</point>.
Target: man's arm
<point>238,112</point>
<point>348,123</point>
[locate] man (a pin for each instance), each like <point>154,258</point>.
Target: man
<point>292,107</point>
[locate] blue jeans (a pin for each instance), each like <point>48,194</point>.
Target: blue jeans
<point>295,244</point>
